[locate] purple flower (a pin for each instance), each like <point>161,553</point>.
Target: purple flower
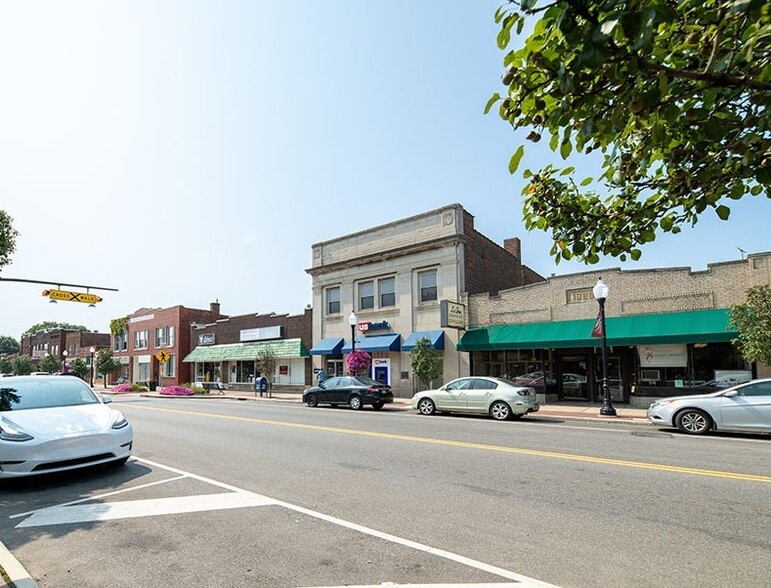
<point>176,391</point>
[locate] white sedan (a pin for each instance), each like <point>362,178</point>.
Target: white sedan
<point>745,407</point>
<point>501,399</point>
<point>57,423</point>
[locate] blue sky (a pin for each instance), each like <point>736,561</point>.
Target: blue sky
<point>185,152</point>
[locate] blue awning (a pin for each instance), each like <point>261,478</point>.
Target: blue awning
<point>436,338</point>
<point>327,346</point>
<point>377,343</point>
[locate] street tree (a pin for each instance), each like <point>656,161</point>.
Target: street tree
<point>672,98</point>
<point>752,320</point>
<point>7,239</point>
<point>80,368</point>
<point>48,325</point>
<point>266,363</point>
<point>50,364</point>
<point>106,363</point>
<point>6,364</point>
<point>426,362</point>
<point>9,345</point>
<point>22,365</point>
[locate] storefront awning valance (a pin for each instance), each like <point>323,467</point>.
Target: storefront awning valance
<point>328,346</point>
<point>697,326</point>
<point>435,337</point>
<point>377,343</point>
<point>284,349</point>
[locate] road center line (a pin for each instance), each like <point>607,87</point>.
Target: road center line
<point>480,446</point>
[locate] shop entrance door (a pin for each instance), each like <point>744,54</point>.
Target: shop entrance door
<point>574,384</point>
<point>615,381</point>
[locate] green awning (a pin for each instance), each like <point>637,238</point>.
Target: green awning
<point>697,326</point>
<point>284,349</point>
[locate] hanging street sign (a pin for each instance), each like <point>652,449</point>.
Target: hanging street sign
<point>68,296</point>
<point>162,356</point>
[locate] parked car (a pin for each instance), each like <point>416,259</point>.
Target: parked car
<point>745,407</point>
<point>500,399</point>
<point>355,391</point>
<point>52,424</point>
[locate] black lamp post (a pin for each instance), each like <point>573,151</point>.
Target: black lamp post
<point>601,292</point>
<point>353,321</point>
<point>64,361</point>
<point>92,350</point>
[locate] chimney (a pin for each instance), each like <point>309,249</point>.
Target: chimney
<point>215,306</point>
<point>513,246</point>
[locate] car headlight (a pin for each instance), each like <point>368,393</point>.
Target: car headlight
<point>8,433</point>
<point>120,421</point>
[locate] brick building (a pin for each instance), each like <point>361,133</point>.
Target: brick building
<point>151,330</point>
<point>396,279</point>
<point>667,328</point>
<point>76,344</point>
<point>226,350</point>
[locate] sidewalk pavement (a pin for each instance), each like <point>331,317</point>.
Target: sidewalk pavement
<point>562,410</point>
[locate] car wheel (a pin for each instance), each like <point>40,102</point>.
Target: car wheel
<point>312,400</point>
<point>426,406</point>
<point>500,411</point>
<point>693,421</point>
<point>355,402</point>
<point>378,405</point>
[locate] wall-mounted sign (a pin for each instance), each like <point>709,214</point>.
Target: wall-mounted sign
<point>669,355</point>
<point>368,326</point>
<point>260,333</point>
<point>579,295</point>
<point>162,356</point>
<point>206,339</point>
<point>452,314</point>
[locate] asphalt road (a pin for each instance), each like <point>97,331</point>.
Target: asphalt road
<point>227,493</point>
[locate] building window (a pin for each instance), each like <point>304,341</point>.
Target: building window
<point>387,288</point>
<point>427,284</point>
<point>144,372</point>
<point>366,295</point>
<point>168,367</point>
<point>141,339</point>
<point>333,300</point>
<point>120,342</point>
<point>164,337</point>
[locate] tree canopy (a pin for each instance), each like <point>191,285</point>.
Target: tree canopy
<point>752,319</point>
<point>54,325</point>
<point>673,96</point>
<point>7,239</point>
<point>426,362</point>
<point>9,345</point>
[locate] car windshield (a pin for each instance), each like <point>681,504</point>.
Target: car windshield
<point>45,394</point>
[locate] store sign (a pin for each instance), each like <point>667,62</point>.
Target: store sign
<point>367,326</point>
<point>674,355</point>
<point>452,315</point>
<point>260,333</point>
<point>206,339</point>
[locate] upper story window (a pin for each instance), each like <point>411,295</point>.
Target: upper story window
<point>120,342</point>
<point>387,291</point>
<point>164,336</point>
<point>333,300</point>
<point>366,295</point>
<point>427,285</point>
<point>141,339</point>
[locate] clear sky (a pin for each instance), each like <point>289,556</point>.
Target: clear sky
<point>191,151</point>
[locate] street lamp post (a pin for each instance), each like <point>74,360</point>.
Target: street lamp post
<point>601,292</point>
<point>353,321</point>
<point>92,350</point>
<point>64,361</point>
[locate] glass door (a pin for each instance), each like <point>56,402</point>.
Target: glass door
<point>574,383</point>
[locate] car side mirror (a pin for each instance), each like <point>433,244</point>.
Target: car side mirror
<point>106,400</point>
<point>731,393</point>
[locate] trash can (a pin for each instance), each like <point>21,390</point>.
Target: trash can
<point>152,385</point>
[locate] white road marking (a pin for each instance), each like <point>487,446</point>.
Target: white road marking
<point>240,498</point>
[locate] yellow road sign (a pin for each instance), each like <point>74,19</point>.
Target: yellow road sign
<point>162,356</point>
<point>72,296</point>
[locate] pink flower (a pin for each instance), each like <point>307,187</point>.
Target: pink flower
<point>176,391</point>
<point>122,388</point>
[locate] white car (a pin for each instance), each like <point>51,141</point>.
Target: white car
<point>53,424</point>
<point>745,407</point>
<point>499,398</point>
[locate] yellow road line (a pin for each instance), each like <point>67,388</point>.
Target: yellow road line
<point>482,446</point>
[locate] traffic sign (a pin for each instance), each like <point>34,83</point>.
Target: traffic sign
<point>68,296</point>
<point>162,356</point>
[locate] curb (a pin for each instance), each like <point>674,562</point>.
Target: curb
<point>14,570</point>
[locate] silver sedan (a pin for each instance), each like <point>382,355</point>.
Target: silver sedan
<point>745,407</point>
<point>56,423</point>
<point>500,399</point>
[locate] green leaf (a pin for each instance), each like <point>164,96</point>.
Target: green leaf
<point>723,212</point>
<point>586,181</point>
<point>515,159</point>
<point>566,148</point>
<point>493,99</point>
